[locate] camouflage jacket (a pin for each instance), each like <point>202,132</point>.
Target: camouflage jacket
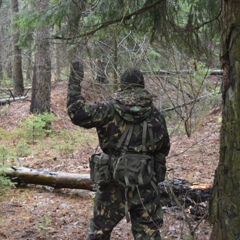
<point>111,118</point>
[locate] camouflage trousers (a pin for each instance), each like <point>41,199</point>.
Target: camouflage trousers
<point>109,210</point>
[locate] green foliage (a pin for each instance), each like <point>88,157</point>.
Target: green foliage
<point>7,154</point>
<point>7,82</point>
<point>22,149</point>
<point>4,153</point>
<point>3,133</point>
<point>67,145</point>
<point>67,142</point>
<point>43,225</point>
<point>18,143</point>
<point>7,151</point>
<point>37,126</point>
<point>65,148</point>
<point>5,183</point>
<point>190,27</point>
<point>219,120</point>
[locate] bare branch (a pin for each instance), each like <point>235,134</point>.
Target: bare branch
<point>111,22</point>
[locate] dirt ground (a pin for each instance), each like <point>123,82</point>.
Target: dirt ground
<point>40,212</point>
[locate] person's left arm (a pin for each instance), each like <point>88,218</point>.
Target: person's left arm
<point>87,115</point>
<point>80,113</point>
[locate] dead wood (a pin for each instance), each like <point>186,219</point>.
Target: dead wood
<point>177,194</point>
<point>7,96</point>
<point>190,102</point>
<point>187,193</point>
<point>48,178</point>
<point>11,99</point>
<point>182,72</point>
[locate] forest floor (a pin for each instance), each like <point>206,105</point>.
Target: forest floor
<point>40,212</point>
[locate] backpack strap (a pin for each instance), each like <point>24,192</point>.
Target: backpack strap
<point>127,134</point>
<point>127,215</point>
<point>144,137</point>
<point>150,132</point>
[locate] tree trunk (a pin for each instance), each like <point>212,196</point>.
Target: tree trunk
<point>1,57</point>
<point>41,90</point>
<point>57,56</point>
<point>29,67</point>
<point>8,67</point>
<point>225,203</point>
<point>17,59</point>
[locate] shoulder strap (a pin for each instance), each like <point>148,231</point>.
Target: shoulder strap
<point>150,132</point>
<point>144,137</point>
<point>147,127</point>
<point>127,134</point>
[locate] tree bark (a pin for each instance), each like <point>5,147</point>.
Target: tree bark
<point>41,90</point>
<point>1,57</point>
<point>17,59</point>
<point>49,178</point>
<point>57,55</point>
<point>225,203</point>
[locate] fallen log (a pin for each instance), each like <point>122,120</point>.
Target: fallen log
<point>23,175</point>
<point>7,96</point>
<point>182,72</point>
<point>11,99</point>
<point>186,192</point>
<point>175,194</point>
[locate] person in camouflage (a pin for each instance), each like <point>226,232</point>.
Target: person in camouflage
<point>130,104</point>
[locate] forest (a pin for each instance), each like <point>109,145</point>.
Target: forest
<point>189,54</point>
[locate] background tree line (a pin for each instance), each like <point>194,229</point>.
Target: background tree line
<point>40,38</point>
<point>46,36</point>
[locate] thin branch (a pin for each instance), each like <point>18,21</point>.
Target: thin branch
<point>179,29</point>
<point>111,22</point>
<point>180,206</point>
<point>188,103</point>
<point>192,145</point>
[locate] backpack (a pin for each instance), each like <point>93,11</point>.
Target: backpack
<point>129,170</point>
<point>133,169</point>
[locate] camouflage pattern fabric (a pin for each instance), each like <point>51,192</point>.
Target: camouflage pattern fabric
<point>111,118</point>
<point>109,206</point>
<point>128,105</point>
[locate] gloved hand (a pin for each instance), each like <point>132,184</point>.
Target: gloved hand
<point>76,75</point>
<point>74,87</point>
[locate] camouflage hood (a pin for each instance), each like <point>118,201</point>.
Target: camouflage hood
<point>133,104</point>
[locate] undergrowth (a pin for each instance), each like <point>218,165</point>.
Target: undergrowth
<point>34,137</point>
